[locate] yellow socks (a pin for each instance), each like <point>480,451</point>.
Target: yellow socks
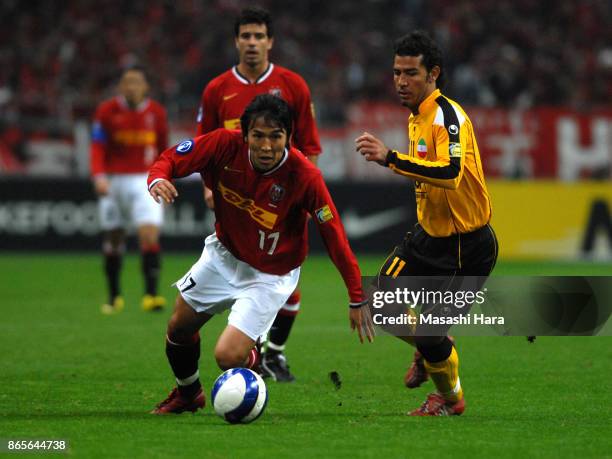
<point>445,375</point>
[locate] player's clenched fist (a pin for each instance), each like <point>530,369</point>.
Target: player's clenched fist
<point>372,148</point>
<point>163,190</point>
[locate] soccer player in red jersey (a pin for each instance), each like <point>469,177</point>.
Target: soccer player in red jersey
<point>223,101</point>
<point>129,132</point>
<point>263,190</point>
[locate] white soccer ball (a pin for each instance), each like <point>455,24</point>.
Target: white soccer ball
<point>239,395</point>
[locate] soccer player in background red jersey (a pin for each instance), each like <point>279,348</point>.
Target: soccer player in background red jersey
<point>223,101</point>
<point>129,132</point>
<point>263,191</point>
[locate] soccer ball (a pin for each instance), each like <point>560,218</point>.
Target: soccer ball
<point>239,395</point>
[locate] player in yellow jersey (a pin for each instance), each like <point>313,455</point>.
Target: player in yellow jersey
<point>453,236</point>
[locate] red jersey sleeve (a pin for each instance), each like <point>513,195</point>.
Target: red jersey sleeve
<point>306,136</point>
<point>208,119</point>
<point>190,156</point>
<point>320,205</point>
<point>99,139</point>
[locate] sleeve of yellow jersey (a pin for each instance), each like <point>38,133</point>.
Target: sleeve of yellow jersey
<point>447,169</point>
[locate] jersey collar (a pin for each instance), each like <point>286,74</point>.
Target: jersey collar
<point>428,102</point>
<point>275,168</point>
<point>260,79</point>
<point>141,107</point>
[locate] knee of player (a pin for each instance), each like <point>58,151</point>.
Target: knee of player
<point>149,243</point>
<point>179,332</point>
<point>227,357</point>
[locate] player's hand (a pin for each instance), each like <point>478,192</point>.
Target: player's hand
<point>208,198</point>
<point>101,185</point>
<point>163,191</point>
<point>371,148</point>
<point>361,319</point>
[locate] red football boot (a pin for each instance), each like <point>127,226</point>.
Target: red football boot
<point>176,403</point>
<point>436,405</point>
<point>417,374</point>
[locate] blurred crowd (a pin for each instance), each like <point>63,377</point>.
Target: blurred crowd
<point>58,59</point>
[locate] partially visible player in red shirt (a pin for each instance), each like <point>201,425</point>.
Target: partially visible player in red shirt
<point>223,102</point>
<point>129,132</point>
<point>263,190</point>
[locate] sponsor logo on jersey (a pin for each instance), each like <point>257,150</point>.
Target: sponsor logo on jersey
<point>229,96</point>
<point>453,129</point>
<point>277,193</point>
<point>324,214</point>
<point>232,124</point>
<point>454,150</point>
<point>131,137</point>
<point>422,148</point>
<point>276,92</point>
<point>262,216</point>
<point>184,147</point>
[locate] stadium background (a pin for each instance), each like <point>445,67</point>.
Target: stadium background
<point>535,78</point>
<point>536,82</point>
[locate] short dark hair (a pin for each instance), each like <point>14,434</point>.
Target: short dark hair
<point>419,43</point>
<point>254,15</point>
<point>273,109</point>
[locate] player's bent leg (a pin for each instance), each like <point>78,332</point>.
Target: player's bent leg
<point>113,247</point>
<point>183,352</point>
<point>397,264</point>
<point>274,362</point>
<point>235,349</point>
<point>148,236</point>
<point>442,363</point>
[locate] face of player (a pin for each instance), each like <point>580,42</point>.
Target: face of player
<point>253,45</point>
<point>267,144</point>
<point>412,81</point>
<point>133,86</point>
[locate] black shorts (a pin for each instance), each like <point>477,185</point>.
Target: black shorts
<point>459,263</point>
<point>419,254</point>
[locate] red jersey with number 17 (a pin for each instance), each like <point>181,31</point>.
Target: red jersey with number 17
<point>225,98</point>
<point>261,218</point>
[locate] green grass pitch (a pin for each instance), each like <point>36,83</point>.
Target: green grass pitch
<point>68,372</point>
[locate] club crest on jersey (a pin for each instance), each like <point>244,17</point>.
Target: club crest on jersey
<point>454,150</point>
<point>276,92</point>
<point>277,193</point>
<point>184,147</point>
<point>324,214</point>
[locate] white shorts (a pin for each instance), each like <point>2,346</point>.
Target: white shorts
<point>218,281</point>
<point>128,200</point>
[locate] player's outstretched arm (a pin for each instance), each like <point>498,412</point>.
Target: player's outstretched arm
<point>163,190</point>
<point>361,320</point>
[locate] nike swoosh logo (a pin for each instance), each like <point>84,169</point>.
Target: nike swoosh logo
<point>231,170</point>
<point>357,226</point>
<point>230,96</point>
